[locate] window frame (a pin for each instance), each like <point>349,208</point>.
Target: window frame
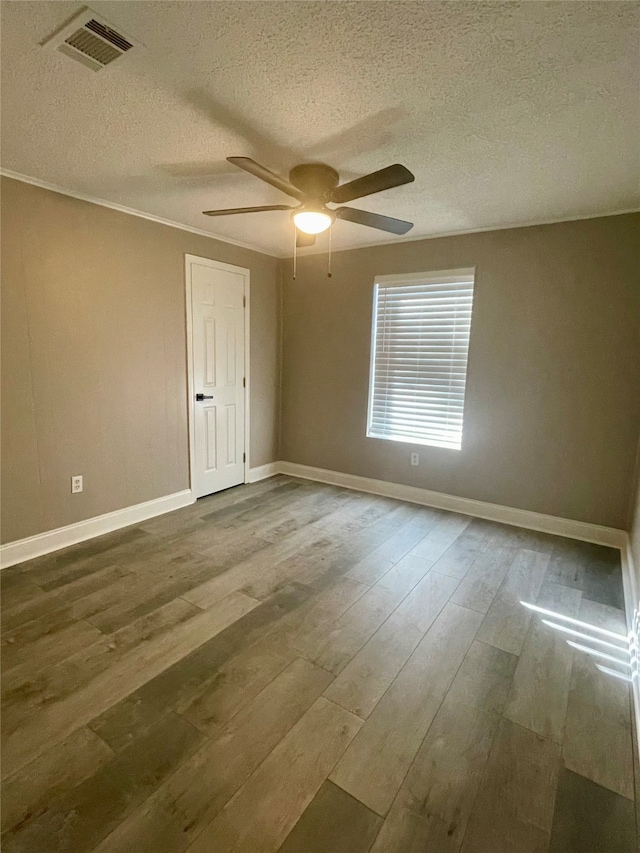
<point>450,276</point>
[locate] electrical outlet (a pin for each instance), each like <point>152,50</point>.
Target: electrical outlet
<point>76,484</point>
<point>415,458</point>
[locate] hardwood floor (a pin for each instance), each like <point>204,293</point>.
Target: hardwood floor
<point>294,667</point>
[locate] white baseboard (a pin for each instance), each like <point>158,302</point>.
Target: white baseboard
<point>632,606</point>
<point>52,540</point>
<point>629,579</point>
<point>438,500</point>
<point>62,537</point>
<point>262,472</point>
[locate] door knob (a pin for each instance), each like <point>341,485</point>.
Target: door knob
<point>201,397</point>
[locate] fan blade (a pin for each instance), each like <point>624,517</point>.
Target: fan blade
<point>374,220</point>
<point>384,179</point>
<point>246,210</point>
<point>303,240</point>
<point>267,175</point>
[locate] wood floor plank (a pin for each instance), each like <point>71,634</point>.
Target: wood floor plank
<point>174,522</point>
<point>370,569</point>
<point>269,804</point>
<point>58,720</point>
<point>50,601</point>
<point>441,537</point>
<point>566,571</point>
<point>367,676</point>
<point>507,621</point>
<point>540,689</point>
<point>603,579</point>
<point>192,797</point>
<point>155,586</point>
<point>482,581</point>
<point>30,792</point>
<point>433,806</point>
<point>274,527</point>
<point>319,612</point>
<point>126,588</point>
<point>351,538</point>
<point>333,822</point>
<point>518,538</point>
<point>46,650</point>
<point>514,807</point>
<point>322,549</point>
<point>31,692</point>
<point>254,508</point>
<point>590,818</point>
<point>235,685</point>
<point>248,570</point>
<point>478,537</point>
<point>16,590</point>
<point>318,549</point>
<point>210,503</point>
<point>375,764</point>
<point>78,561</point>
<point>354,540</point>
<point>31,631</point>
<point>405,574</point>
<point>226,552</point>
<point>374,565</point>
<point>597,738</point>
<point>311,510</point>
<point>79,819</point>
<point>363,512</point>
<point>276,521</point>
<point>332,648</point>
<point>484,678</point>
<point>458,559</point>
<point>190,674</point>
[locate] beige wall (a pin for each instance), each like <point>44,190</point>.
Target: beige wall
<point>552,406</point>
<point>94,358</point>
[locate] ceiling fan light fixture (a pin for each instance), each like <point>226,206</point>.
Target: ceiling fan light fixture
<point>311,221</point>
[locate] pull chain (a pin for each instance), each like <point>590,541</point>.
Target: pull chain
<point>329,267</point>
<point>295,252</point>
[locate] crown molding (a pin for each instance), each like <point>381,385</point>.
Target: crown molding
<point>302,253</point>
<point>121,208</point>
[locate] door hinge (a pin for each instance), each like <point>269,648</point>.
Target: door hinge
<point>244,381</point>
<point>244,457</point>
<point>244,301</point>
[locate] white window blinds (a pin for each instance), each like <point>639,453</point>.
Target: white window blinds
<point>420,342</point>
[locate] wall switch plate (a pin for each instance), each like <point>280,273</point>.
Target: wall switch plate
<point>76,484</point>
<point>415,458</point>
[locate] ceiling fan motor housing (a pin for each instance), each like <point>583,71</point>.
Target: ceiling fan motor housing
<point>316,180</point>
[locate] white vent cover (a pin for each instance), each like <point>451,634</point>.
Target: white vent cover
<point>91,40</point>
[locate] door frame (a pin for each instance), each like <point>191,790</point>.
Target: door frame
<point>208,262</point>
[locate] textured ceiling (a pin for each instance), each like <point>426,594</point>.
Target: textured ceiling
<point>507,113</point>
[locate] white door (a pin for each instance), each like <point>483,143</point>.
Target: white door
<point>217,387</point>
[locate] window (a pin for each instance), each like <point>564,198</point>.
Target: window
<point>419,348</point>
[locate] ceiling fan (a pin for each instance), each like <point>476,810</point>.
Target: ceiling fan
<point>316,185</point>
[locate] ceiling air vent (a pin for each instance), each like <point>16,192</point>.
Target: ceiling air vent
<point>90,40</point>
